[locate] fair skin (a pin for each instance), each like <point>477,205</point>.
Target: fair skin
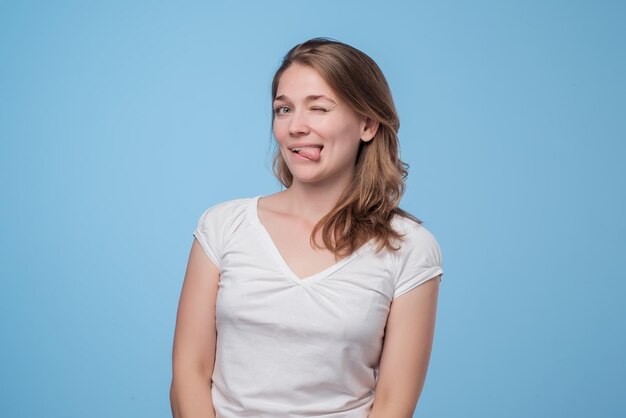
<point>307,112</point>
<point>194,340</point>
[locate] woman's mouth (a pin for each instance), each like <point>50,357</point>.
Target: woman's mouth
<point>309,152</point>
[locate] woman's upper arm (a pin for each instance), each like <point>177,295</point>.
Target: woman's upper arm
<point>195,334</point>
<point>406,350</point>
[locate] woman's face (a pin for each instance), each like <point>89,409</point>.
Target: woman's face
<point>318,133</point>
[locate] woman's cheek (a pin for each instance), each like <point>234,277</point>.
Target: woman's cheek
<point>279,133</point>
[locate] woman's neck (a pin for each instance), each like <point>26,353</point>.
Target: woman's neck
<point>312,201</point>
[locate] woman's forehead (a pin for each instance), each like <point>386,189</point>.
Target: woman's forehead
<point>301,82</point>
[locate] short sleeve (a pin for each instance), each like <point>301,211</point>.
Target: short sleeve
<point>418,260</point>
<point>218,224</point>
<point>209,234</point>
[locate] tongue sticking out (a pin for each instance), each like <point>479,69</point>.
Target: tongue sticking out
<point>310,153</point>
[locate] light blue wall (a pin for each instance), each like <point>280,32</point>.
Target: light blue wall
<point>120,122</point>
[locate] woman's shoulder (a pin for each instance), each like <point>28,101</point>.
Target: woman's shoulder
<point>232,204</point>
<point>219,224</point>
<point>226,212</point>
<point>413,232</point>
<point>419,256</point>
<point>404,222</point>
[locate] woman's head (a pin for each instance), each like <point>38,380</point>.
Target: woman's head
<point>371,198</point>
<point>359,82</point>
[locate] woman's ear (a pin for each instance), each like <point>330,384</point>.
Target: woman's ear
<point>370,127</point>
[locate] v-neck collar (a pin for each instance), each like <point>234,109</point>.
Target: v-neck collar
<point>253,215</point>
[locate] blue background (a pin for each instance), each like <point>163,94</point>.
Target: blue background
<point>121,122</point>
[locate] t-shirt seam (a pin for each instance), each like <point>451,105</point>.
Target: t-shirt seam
<point>420,279</point>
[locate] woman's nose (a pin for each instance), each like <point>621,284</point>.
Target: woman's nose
<point>298,124</point>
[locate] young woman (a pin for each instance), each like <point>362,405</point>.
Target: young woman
<point>318,300</point>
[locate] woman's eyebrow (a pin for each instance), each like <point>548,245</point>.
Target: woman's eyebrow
<point>308,98</point>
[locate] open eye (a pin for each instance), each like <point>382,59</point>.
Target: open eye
<point>281,110</point>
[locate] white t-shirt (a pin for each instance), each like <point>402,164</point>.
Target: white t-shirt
<point>290,347</point>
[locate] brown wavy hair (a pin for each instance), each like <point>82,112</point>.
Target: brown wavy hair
<point>370,201</point>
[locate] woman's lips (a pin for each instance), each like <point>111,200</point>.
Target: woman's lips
<point>310,152</point>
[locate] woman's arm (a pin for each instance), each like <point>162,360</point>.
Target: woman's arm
<point>406,351</point>
<point>194,339</point>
